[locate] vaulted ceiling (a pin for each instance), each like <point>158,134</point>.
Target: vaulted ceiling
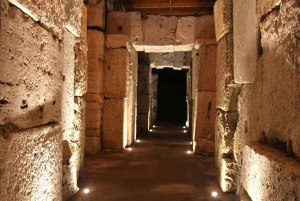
<point>170,7</point>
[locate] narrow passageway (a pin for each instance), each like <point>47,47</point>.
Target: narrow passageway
<point>158,167</point>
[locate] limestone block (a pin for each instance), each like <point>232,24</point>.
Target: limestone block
<point>245,40</point>
<point>50,14</point>
<point>185,34</point>
<point>226,123</point>
<point>95,76</point>
<point>223,17</point>
<point>92,145</point>
<point>31,159</point>
<point>31,93</point>
<point>182,59</point>
<point>268,174</point>
<point>161,60</point>
<point>205,147</point>
<point>113,124</point>
<point>128,23</point>
<point>81,61</point>
<point>207,68</point>
<point>205,27</point>
<point>204,41</point>
<point>79,114</point>
<point>227,175</point>
<point>115,73</point>
<point>94,104</point>
<point>227,90</point>
<point>68,84</point>
<point>96,14</point>
<point>143,79</point>
<point>96,43</point>
<point>206,115</point>
<point>116,41</point>
<point>194,72</point>
<point>164,38</point>
<point>143,103</point>
<point>131,111</point>
<point>73,13</point>
<point>142,122</point>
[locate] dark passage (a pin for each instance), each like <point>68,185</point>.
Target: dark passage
<point>171,100</point>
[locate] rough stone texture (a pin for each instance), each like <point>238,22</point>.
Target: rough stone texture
<point>96,43</point>
<point>223,17</point>
<point>143,79</point>
<point>50,14</point>
<point>266,6</point>
<point>116,41</point>
<point>115,73</point>
<point>32,91</point>
<point>73,14</point>
<point>94,104</point>
<point>194,73</point>
<point>96,14</point>
<point>143,103</point>
<point>205,121</point>
<point>182,60</point>
<point>268,174</point>
<point>81,61</point>
<point>92,145</point>
<point>113,124</point>
<point>128,23</point>
<point>228,174</point>
<point>164,38</point>
<point>185,34</point>
<point>142,122</point>
<point>161,60</point>
<point>31,164</point>
<point>245,34</point>
<point>205,27</point>
<point>227,90</point>
<point>207,68</point>
<point>95,76</point>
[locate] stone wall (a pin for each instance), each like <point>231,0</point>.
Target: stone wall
<point>43,80</point>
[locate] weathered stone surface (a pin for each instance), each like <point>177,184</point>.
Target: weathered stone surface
<point>95,76</point>
<point>31,160</point>
<point>116,41</point>
<point>96,43</point>
<point>81,61</point>
<point>204,41</point>
<point>182,60</point>
<point>245,40</point>
<point>32,90</point>
<point>128,23</point>
<point>227,175</point>
<point>92,145</point>
<point>96,14</point>
<point>142,121</point>
<point>50,14</point>
<point>268,174</point>
<point>205,27</point>
<point>266,6</point>
<point>73,13</point>
<point>143,103</point>
<point>94,104</point>
<point>143,79</point>
<point>115,73</point>
<point>113,124</point>
<point>223,17</point>
<point>207,68</point>
<point>206,115</point>
<point>204,147</point>
<point>185,34</point>
<point>227,90</point>
<point>161,60</point>
<point>164,38</point>
<point>194,73</point>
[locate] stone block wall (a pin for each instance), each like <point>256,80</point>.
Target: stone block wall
<point>43,80</point>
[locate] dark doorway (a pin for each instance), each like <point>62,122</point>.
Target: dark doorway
<point>171,95</point>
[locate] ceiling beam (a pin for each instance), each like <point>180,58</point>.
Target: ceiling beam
<point>167,5</point>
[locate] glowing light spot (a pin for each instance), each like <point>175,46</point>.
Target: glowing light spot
<point>191,142</point>
<point>184,127</point>
<point>189,152</point>
<point>150,130</point>
<point>185,131</point>
<point>214,194</point>
<point>129,149</point>
<point>138,140</point>
<point>153,126</point>
<point>86,190</point>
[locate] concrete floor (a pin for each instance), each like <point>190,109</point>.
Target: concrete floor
<point>157,168</point>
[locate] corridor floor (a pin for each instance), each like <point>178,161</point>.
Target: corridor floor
<point>158,168</point>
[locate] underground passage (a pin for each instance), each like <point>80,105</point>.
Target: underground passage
<point>149,100</point>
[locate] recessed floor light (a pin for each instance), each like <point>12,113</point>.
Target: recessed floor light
<point>86,190</point>
<point>138,140</point>
<point>214,194</point>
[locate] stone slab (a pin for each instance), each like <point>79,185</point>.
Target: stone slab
<point>205,27</point>
<point>94,105</point>
<point>223,18</point>
<point>276,176</point>
<point>185,34</point>
<point>115,73</point>
<point>113,124</point>
<point>92,145</point>
<point>50,14</point>
<point>245,41</point>
<point>96,44</point>
<point>116,41</point>
<point>30,160</point>
<point>207,68</point>
<point>73,13</point>
<point>143,79</point>
<point>33,90</point>
<point>143,103</point>
<point>96,14</point>
<point>95,76</point>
